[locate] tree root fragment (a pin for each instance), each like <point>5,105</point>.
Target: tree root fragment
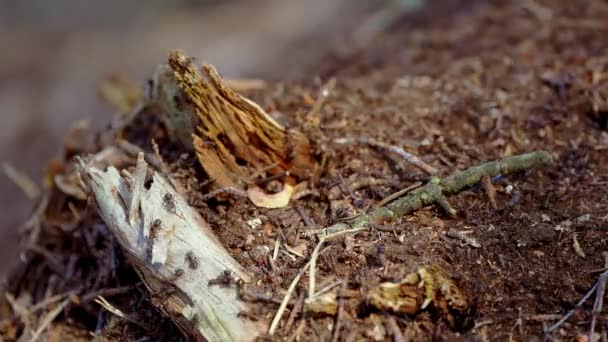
<point>437,190</point>
<point>599,289</point>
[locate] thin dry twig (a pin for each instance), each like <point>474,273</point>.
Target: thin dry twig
<point>292,251</point>
<point>23,181</point>
<point>134,150</point>
<point>543,317</point>
<point>111,308</point>
<point>48,301</point>
<point>409,157</point>
<point>106,293</point>
<point>296,334</point>
<point>307,220</point>
<point>599,302</point>
<point>18,308</point>
<point>339,314</point>
<point>296,308</point>
<point>137,185</point>
<point>369,183</point>
<point>277,246</point>
<point>315,255</point>
<point>313,266</point>
<point>116,311</point>
<point>277,317</point>
<point>398,194</point>
<point>48,319</point>
<point>392,326</point>
<point>601,278</point>
<point>328,288</point>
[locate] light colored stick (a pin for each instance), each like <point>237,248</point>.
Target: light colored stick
<point>137,187</point>
<point>277,245</point>
<point>48,319</point>
<point>294,282</point>
<point>599,302</point>
<point>578,305</point>
<point>277,317</point>
<point>23,181</point>
<point>410,158</point>
<point>175,252</point>
<point>313,267</point>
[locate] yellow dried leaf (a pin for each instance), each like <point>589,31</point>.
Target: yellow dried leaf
<point>427,287</point>
<point>265,200</point>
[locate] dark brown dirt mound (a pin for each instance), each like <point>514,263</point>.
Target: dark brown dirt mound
<point>501,79</point>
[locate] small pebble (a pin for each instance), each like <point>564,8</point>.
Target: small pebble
<point>254,223</point>
<point>583,218</point>
<point>259,252</point>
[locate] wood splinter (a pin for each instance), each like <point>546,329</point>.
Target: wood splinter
<point>233,137</point>
<point>166,241</point>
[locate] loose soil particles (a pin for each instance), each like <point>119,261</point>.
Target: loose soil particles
<point>497,79</point>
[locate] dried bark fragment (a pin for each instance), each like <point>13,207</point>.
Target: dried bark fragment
<point>233,137</point>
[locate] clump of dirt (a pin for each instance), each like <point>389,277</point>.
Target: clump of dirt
<point>501,79</point>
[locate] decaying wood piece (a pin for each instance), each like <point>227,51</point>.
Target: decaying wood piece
<point>174,251</point>
<point>233,137</point>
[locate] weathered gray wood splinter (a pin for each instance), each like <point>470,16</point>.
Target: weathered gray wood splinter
<point>174,251</point>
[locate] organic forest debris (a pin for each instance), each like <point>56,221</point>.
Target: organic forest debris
<point>416,291</point>
<point>599,289</point>
<point>409,157</point>
<point>165,239</point>
<point>233,136</point>
<point>436,190</point>
<point>453,89</point>
<point>25,183</point>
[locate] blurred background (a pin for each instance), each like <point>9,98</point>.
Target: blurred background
<point>55,53</point>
